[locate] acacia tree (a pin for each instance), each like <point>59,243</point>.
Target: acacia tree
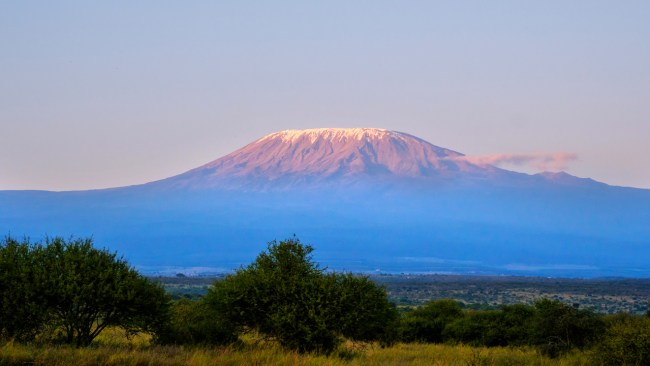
<point>280,295</point>
<point>73,288</point>
<point>88,289</point>
<point>284,295</point>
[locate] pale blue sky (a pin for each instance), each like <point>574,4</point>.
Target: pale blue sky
<point>101,94</point>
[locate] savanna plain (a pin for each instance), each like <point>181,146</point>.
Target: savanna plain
<point>65,302</point>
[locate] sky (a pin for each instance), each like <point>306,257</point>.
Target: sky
<point>114,93</point>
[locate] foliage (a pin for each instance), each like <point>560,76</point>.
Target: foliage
<point>427,323</point>
<point>364,312</point>
<point>626,342</point>
<point>284,295</point>
<point>194,322</point>
<point>479,328</point>
<point>552,326</point>
<point>87,290</point>
<point>22,310</point>
<point>281,295</point>
<point>558,327</point>
<point>516,322</point>
<point>508,326</point>
<point>77,291</point>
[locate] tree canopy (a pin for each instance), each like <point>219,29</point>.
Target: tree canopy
<point>284,295</point>
<point>76,289</point>
<point>22,309</point>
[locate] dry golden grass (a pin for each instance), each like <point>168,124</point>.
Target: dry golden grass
<point>269,354</point>
<point>115,348</point>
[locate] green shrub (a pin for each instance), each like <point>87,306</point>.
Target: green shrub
<point>557,327</point>
<point>626,342</point>
<point>477,328</point>
<point>363,312</point>
<point>508,326</point>
<point>284,295</point>
<point>194,322</point>
<point>427,323</point>
<point>22,309</point>
<point>516,323</point>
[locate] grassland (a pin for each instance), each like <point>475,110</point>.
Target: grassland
<point>401,354</point>
<point>114,347</point>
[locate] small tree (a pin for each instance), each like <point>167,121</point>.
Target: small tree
<point>557,327</point>
<point>73,288</point>
<point>284,295</point>
<point>88,289</point>
<point>22,311</point>
<point>280,295</point>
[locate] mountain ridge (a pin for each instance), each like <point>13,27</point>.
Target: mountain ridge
<point>367,199</point>
<point>290,159</point>
<point>293,159</point>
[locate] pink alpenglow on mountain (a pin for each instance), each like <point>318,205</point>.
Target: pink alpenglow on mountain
<point>369,198</point>
<point>311,156</point>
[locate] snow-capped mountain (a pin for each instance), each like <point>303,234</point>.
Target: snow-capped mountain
<point>366,198</point>
<point>296,159</point>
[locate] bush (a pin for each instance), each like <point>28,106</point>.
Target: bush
<point>364,312</point>
<point>427,323</point>
<point>626,342</point>
<point>284,295</point>
<point>508,326</point>
<point>557,327</point>
<point>477,328</point>
<point>194,322</point>
<point>517,323</point>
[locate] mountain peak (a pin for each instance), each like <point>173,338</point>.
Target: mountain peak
<point>337,134</point>
<point>304,157</point>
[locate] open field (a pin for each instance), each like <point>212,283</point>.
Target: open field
<point>607,296</point>
<point>249,354</point>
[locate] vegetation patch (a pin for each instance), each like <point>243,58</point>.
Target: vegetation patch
<point>66,302</point>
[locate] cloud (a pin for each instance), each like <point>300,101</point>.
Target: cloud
<point>542,161</point>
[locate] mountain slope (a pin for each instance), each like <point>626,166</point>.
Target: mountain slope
<point>288,158</point>
<point>367,199</point>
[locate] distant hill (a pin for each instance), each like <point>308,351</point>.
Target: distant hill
<point>367,199</point>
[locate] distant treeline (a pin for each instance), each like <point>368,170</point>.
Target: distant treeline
<point>67,291</point>
<point>604,295</point>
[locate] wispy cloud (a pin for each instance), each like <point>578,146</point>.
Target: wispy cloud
<point>542,161</point>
